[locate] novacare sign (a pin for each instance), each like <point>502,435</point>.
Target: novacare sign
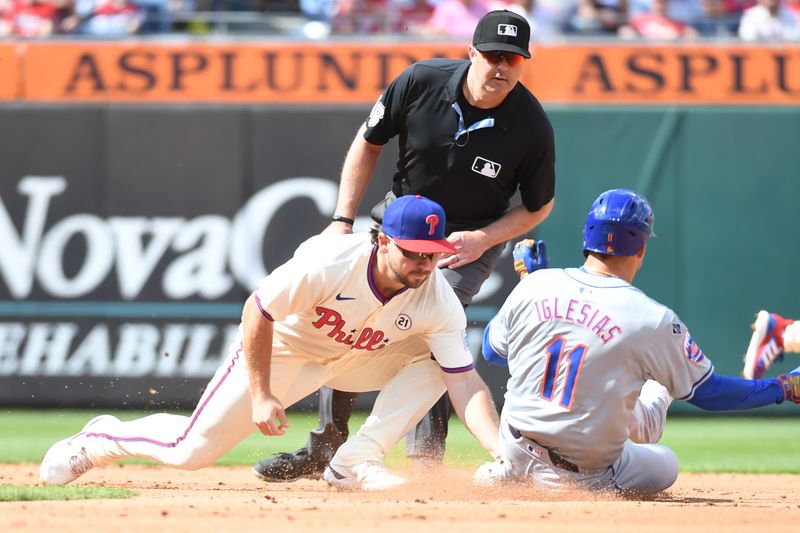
<point>74,326</point>
<point>71,289</point>
<point>208,254</point>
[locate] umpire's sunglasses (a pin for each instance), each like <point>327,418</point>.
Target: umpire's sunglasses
<point>511,58</point>
<point>414,256</point>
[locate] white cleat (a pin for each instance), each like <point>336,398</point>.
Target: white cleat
<point>66,460</point>
<point>367,476</point>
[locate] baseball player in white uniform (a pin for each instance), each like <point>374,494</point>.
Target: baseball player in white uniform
<point>358,312</point>
<point>594,364</point>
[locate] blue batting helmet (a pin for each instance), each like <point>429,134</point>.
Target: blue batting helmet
<point>619,223</point>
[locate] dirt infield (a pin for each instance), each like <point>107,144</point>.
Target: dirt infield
<point>232,499</point>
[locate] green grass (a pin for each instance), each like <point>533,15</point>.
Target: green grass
<point>15,493</point>
<point>735,444</point>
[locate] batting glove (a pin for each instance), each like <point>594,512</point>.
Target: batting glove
<point>791,385</point>
<point>529,256</point>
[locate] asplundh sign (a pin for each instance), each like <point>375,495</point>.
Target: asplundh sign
<point>356,72</point>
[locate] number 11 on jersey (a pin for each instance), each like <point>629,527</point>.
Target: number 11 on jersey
<point>557,351</point>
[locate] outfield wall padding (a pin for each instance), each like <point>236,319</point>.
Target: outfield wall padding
<point>131,234</point>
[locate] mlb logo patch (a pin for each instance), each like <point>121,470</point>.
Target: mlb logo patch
<point>465,340</point>
<point>487,168</point>
<point>676,328</point>
<point>509,30</point>
<point>537,452</point>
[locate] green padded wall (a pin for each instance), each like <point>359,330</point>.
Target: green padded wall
<point>724,183</point>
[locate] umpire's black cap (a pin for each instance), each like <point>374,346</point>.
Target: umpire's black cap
<point>502,30</point>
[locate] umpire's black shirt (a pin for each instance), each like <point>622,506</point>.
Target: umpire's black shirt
<point>475,175</point>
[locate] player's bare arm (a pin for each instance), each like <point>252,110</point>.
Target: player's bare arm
<point>473,404</point>
<point>470,245</point>
<point>257,331</point>
<point>357,169</point>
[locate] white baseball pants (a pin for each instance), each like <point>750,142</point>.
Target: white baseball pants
<point>410,379</point>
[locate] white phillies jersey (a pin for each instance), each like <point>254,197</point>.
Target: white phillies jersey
<point>579,348</point>
<point>325,305</point>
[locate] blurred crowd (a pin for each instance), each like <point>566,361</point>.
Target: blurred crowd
<point>44,18</point>
<point>750,20</point>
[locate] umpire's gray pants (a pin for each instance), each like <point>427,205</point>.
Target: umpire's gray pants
<point>427,438</point>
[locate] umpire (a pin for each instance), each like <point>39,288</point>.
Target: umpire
<point>470,136</point>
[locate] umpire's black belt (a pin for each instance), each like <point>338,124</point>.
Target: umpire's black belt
<point>556,459</point>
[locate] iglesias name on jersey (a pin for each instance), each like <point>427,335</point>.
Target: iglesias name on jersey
<point>580,346</point>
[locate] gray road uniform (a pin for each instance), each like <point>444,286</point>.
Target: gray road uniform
<point>580,348</point>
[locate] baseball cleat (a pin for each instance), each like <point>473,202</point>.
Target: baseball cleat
<point>66,460</point>
<point>766,344</point>
<point>290,466</point>
<point>367,476</point>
